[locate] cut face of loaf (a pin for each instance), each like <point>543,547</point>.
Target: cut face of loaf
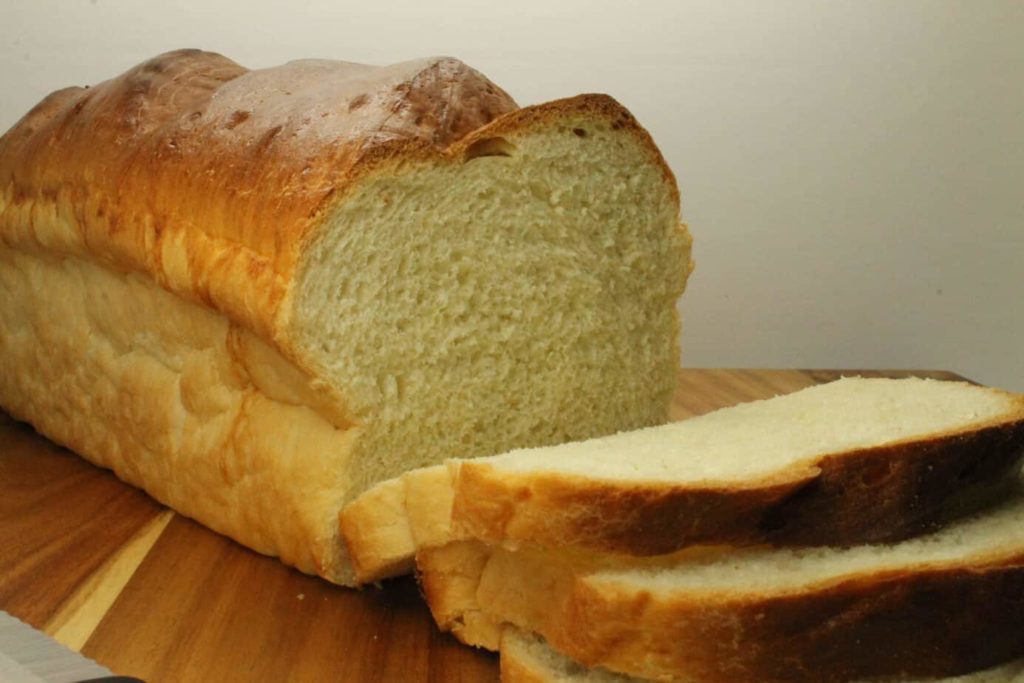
<point>255,293</point>
<point>536,264</point>
<point>937,605</point>
<point>526,658</point>
<point>853,461</point>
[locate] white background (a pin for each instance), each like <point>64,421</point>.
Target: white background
<point>852,171</point>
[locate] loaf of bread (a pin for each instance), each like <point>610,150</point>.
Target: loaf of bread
<point>853,461</point>
<point>942,604</point>
<point>256,293</point>
<point>526,658</point>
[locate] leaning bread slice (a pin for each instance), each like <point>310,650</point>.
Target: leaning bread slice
<point>383,527</point>
<point>526,658</point>
<point>853,461</point>
<point>937,605</point>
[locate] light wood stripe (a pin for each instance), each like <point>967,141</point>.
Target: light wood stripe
<point>81,613</point>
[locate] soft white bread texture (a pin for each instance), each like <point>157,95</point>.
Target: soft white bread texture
<point>852,461</point>
<point>938,605</point>
<point>526,658</point>
<point>256,293</point>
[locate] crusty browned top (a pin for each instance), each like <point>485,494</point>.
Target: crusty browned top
<point>208,176</point>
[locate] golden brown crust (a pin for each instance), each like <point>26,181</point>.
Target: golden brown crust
<point>209,177</point>
<point>202,414</point>
<point>869,495</point>
<point>522,663</point>
<point>212,179</point>
<point>376,533</point>
<point>448,577</point>
<point>586,106</point>
<point>385,526</point>
<point>931,621</point>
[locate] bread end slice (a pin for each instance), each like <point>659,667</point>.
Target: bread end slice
<point>385,526</point>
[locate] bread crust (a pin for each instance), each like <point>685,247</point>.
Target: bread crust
<point>449,577</point>
<point>385,526</point>
<point>376,533</point>
<point>176,400</point>
<point>887,493</point>
<point>258,155</point>
<point>261,155</point>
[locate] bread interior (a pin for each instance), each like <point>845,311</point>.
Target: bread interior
<point>519,294</point>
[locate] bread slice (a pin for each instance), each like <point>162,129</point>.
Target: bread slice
<point>383,528</point>
<point>526,658</point>
<point>937,605</point>
<point>256,293</point>
<point>852,461</point>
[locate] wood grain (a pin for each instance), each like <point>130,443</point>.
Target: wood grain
<point>61,519</point>
<point>79,615</point>
<point>151,594</point>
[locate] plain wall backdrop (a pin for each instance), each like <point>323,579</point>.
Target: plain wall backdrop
<point>852,171</point>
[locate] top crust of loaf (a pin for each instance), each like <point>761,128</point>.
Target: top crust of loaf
<point>261,155</point>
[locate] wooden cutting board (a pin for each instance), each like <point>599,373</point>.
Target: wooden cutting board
<point>109,572</point>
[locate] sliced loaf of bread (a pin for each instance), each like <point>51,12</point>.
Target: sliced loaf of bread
<point>256,293</point>
<point>852,461</point>
<point>937,605</point>
<point>527,658</point>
